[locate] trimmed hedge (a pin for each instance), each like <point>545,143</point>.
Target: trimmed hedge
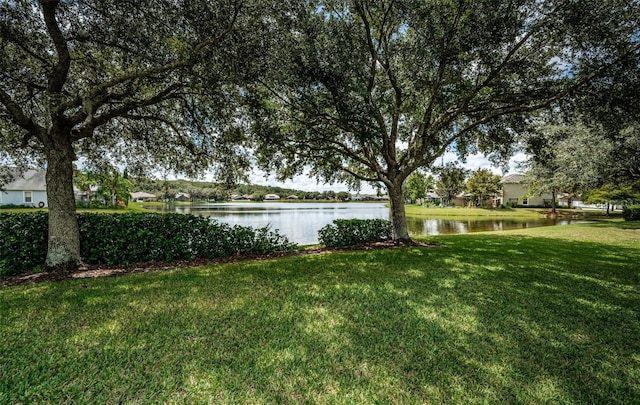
<point>23,241</point>
<point>348,232</point>
<point>631,213</point>
<point>133,238</point>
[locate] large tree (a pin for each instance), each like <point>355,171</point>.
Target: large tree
<point>482,185</point>
<point>105,79</point>
<point>417,186</point>
<point>373,90</point>
<point>573,158</point>
<point>451,181</point>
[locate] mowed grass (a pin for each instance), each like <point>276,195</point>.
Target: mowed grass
<point>464,212</point>
<point>418,211</point>
<point>132,207</point>
<point>546,315</point>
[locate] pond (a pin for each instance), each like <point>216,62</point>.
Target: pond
<point>300,222</point>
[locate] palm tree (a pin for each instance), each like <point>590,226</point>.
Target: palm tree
<point>114,187</point>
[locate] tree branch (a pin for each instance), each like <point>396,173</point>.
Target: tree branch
<point>92,122</point>
<point>373,51</point>
<point>359,176</point>
<point>60,71</point>
<point>178,64</point>
<point>20,118</point>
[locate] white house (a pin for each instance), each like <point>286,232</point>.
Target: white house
<point>141,196</point>
<point>271,197</point>
<point>183,197</point>
<point>28,189</point>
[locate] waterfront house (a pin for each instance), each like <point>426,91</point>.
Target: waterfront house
<point>141,196</point>
<point>28,188</point>
<point>515,192</point>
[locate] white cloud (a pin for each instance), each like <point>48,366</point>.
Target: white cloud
<point>480,161</point>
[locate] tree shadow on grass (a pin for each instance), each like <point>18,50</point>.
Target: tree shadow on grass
<point>481,319</point>
<point>524,319</point>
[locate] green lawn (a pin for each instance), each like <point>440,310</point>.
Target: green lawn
<point>133,207</point>
<point>546,315</point>
<point>464,212</point>
<point>481,213</point>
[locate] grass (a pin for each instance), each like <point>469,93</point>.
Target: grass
<point>463,212</point>
<point>133,207</point>
<point>419,211</point>
<point>542,315</point>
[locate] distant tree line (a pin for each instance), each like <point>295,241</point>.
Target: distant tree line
<point>212,191</point>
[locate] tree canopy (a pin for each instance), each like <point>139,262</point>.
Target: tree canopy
<point>150,83</point>
<point>372,91</point>
<point>451,181</point>
<point>575,158</point>
<point>417,185</point>
<point>354,90</point>
<point>482,185</point>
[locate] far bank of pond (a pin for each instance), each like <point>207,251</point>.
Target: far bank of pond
<point>300,222</point>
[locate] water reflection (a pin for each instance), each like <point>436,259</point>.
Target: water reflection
<point>422,226</point>
<point>300,222</point>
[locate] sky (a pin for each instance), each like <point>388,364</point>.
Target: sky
<point>305,183</point>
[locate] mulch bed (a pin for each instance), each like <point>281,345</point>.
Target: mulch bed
<point>94,271</point>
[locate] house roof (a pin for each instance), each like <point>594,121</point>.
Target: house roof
<point>512,178</point>
<point>30,180</point>
<point>142,194</point>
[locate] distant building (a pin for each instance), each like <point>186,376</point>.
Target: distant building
<point>84,195</point>
<point>514,191</point>
<point>183,197</point>
<point>271,197</point>
<point>461,200</point>
<point>369,197</point>
<point>141,196</point>
<point>27,188</point>
<point>431,197</point>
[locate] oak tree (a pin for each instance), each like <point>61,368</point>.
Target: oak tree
<point>146,83</point>
<point>373,90</point>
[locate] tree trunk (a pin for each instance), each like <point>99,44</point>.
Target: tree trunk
<point>553,201</point>
<point>398,217</point>
<point>63,252</point>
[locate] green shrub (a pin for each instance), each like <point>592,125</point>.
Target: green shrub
<point>94,205</point>
<point>23,241</point>
<point>348,232</point>
<point>631,213</point>
<point>16,206</point>
<point>133,238</point>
